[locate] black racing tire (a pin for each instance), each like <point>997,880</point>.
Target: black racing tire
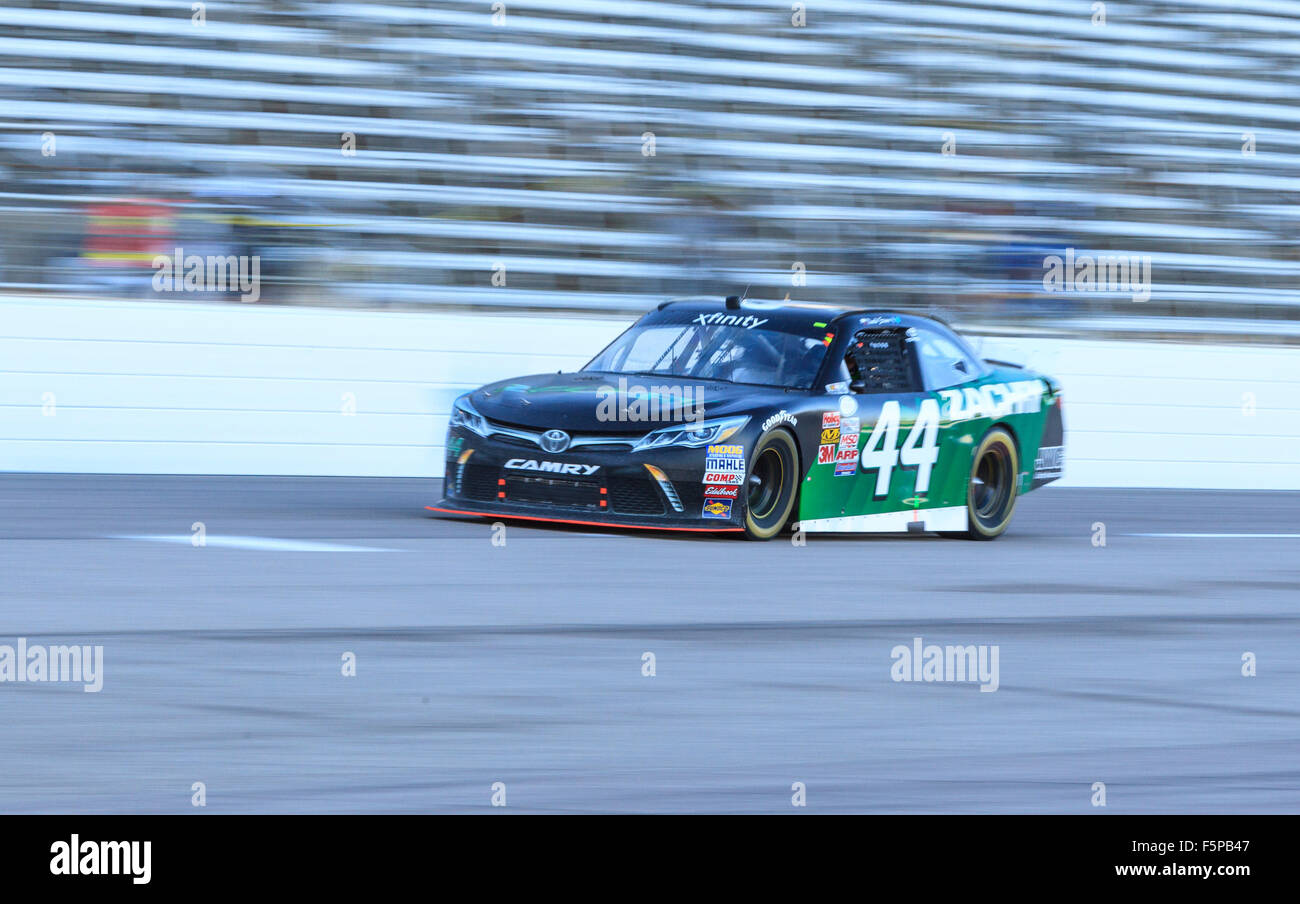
<point>991,491</point>
<point>771,484</point>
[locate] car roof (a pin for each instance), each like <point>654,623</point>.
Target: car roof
<point>800,312</point>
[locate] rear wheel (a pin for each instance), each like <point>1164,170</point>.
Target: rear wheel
<point>770,485</point>
<point>991,494</point>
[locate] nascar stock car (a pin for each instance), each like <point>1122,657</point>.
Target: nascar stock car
<point>752,416</point>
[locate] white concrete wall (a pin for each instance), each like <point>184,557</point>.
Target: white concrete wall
<point>122,387</point>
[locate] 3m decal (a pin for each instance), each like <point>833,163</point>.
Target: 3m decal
<point>825,454</point>
<point>920,449</point>
<point>716,508</point>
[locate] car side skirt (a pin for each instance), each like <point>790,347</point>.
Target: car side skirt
<point>947,518</point>
<point>504,516</point>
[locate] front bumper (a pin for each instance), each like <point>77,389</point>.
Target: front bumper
<point>658,489</point>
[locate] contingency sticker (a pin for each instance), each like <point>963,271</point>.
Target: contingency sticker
<point>717,508</point>
<point>725,464</point>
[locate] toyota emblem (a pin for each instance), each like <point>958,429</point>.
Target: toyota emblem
<point>554,441</point>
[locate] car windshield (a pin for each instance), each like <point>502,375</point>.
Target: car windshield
<point>733,354</point>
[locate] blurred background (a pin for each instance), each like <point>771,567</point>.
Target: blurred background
<point>598,156</point>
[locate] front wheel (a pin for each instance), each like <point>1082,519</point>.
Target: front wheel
<point>770,485</point>
<point>991,494</point>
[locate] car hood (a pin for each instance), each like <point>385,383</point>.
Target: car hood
<point>589,402</point>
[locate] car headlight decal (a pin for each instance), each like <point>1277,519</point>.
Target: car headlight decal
<point>693,435</point>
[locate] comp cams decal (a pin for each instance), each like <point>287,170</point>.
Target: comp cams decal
<point>551,467</point>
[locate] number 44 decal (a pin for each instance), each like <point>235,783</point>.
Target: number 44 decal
<point>920,449</point>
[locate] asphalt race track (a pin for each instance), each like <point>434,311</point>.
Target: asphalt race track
<point>479,663</point>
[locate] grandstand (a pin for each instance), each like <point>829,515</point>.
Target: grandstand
<point>518,143</point>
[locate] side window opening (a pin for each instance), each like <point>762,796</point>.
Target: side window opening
<point>881,361</point>
<point>943,362</point>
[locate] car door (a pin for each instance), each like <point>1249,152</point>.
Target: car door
<point>877,443</point>
<point>950,375</point>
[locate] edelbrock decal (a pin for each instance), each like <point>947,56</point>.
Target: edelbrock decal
<point>551,467</point>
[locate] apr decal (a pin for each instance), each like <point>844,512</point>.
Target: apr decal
<point>716,508</point>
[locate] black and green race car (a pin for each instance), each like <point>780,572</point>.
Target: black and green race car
<point>752,417</point>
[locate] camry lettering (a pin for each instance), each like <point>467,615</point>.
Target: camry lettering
<point>552,467</point>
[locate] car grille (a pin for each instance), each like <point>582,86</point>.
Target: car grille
<point>635,496</point>
<point>478,482</point>
<point>559,491</point>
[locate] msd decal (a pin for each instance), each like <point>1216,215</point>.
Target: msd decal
<point>551,467</point>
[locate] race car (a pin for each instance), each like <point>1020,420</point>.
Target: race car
<point>753,417</point>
